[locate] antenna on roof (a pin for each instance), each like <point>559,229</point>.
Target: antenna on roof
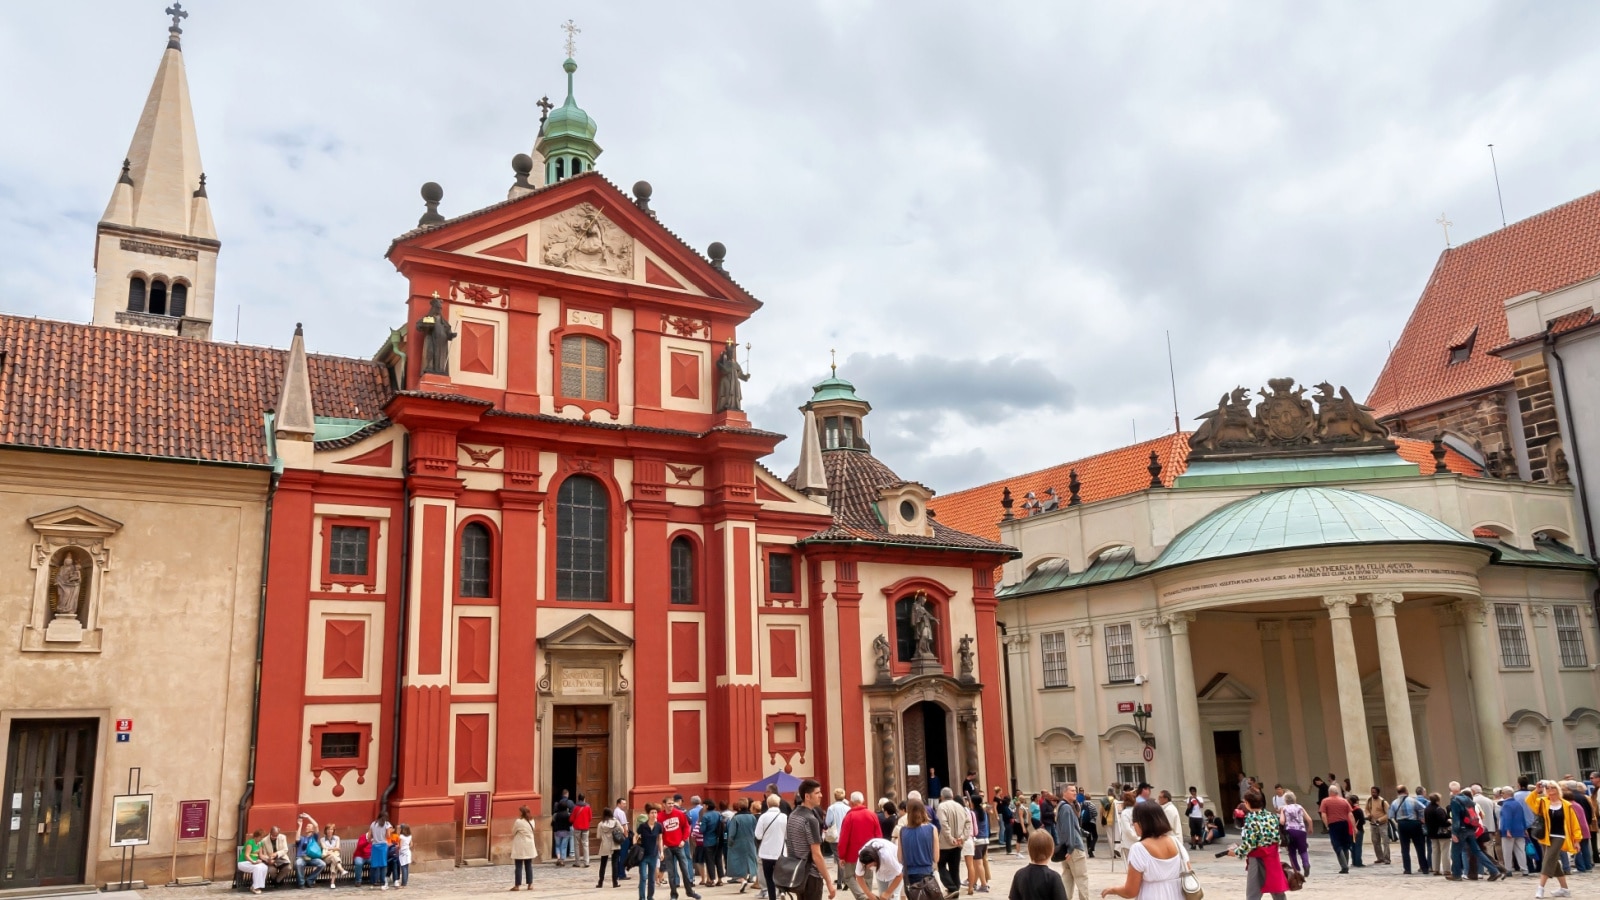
<point>238,313</point>
<point>1496,167</point>
<point>1135,430</point>
<point>1173,376</point>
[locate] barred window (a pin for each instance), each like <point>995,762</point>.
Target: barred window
<point>1513,639</point>
<point>1588,761</point>
<point>341,745</point>
<point>1119,653</point>
<point>475,560</point>
<point>1130,773</point>
<point>1570,636</point>
<point>682,570</point>
<point>583,521</point>
<point>1531,764</point>
<point>347,550</point>
<point>780,573</point>
<point>583,367</point>
<point>1053,647</point>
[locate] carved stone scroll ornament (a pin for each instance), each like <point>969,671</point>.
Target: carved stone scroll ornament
<point>1286,422</point>
<point>582,238</point>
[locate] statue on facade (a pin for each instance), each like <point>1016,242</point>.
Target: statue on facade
<point>1285,422</point>
<point>1285,414</point>
<point>730,393</point>
<point>965,654</point>
<point>1231,423</point>
<point>924,622</point>
<point>69,583</point>
<point>880,657</point>
<point>436,337</point>
<point>1340,419</point>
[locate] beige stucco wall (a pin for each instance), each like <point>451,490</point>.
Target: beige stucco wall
<point>178,613</point>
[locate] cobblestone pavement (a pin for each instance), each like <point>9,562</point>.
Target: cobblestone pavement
<point>1221,878</point>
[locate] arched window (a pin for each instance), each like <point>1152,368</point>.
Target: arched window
<point>583,368</point>
<point>561,168</point>
<point>577,165</point>
<point>683,570</point>
<point>583,525</point>
<point>158,298</point>
<point>178,302</point>
<point>475,552</point>
<point>136,294</point>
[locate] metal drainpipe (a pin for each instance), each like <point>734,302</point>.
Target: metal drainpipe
<point>400,641</point>
<point>1005,677</point>
<point>1574,457</point>
<point>261,639</point>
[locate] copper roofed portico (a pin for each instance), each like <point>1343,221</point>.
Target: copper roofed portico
<point>1301,601</point>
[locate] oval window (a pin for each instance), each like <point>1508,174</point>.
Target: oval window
<point>908,510</point>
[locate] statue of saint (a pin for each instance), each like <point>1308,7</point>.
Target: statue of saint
<point>880,654</point>
<point>69,581</point>
<point>923,623</point>
<point>730,394</point>
<point>965,654</point>
<point>436,337</point>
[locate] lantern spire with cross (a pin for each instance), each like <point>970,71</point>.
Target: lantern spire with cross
<point>566,134</point>
<point>175,30</point>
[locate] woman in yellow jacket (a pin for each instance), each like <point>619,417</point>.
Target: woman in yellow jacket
<point>1562,833</point>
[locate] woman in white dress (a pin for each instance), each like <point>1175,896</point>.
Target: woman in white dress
<point>1156,863</point>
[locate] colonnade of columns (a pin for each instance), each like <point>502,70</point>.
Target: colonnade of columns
<point>1352,706</point>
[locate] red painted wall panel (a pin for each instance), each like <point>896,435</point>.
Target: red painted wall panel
<point>785,652</point>
<point>344,648</point>
<point>742,602</point>
<point>686,651</point>
<point>686,740</point>
<point>473,643</point>
<point>472,747</point>
<point>430,619</point>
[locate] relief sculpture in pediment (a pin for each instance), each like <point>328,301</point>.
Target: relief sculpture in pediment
<point>582,238</point>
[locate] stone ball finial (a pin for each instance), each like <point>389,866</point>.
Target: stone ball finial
<point>432,193</point>
<point>717,252</point>
<point>522,164</point>
<point>641,195</point>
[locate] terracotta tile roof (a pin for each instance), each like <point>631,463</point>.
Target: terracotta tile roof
<point>1572,321</point>
<point>1115,473</point>
<point>65,386</point>
<point>854,480</point>
<point>1468,289</point>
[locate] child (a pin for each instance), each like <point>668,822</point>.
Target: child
<point>1037,880</point>
<point>394,857</point>
<point>405,854</point>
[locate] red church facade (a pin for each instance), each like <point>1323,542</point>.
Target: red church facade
<point>553,562</point>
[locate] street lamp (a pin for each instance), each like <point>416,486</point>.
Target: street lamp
<point>1141,718</point>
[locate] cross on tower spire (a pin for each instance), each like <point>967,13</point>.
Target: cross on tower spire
<point>178,14</point>
<point>545,106</point>
<point>572,31</point>
<point>833,363</point>
<point>1445,224</point>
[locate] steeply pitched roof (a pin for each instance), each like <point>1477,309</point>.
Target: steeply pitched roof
<point>65,386</point>
<point>1468,290</point>
<point>1114,473</point>
<point>854,480</point>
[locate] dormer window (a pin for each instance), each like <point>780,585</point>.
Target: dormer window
<point>908,511</point>
<point>1461,348</point>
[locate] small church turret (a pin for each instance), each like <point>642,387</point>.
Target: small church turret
<point>838,413</point>
<point>156,247</point>
<point>566,139</point>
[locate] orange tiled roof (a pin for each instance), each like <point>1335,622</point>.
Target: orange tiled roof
<point>1117,472</point>
<point>65,386</point>
<point>1467,291</point>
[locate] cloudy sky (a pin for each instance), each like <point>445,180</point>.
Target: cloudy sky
<point>994,212</point>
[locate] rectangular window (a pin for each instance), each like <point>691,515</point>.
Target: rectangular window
<point>1130,773</point>
<point>1053,647</point>
<point>1588,761</point>
<point>1513,639</point>
<point>341,745</point>
<point>583,368</point>
<point>1531,764</point>
<point>780,573</point>
<point>1061,776</point>
<point>347,550</point>
<point>1119,653</point>
<point>1569,634</point>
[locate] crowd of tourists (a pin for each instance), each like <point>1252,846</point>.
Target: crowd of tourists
<point>381,855</point>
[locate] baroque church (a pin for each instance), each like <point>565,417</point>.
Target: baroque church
<point>529,546</point>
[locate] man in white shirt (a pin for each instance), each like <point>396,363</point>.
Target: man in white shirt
<point>830,832</point>
<point>624,833</point>
<point>1278,803</point>
<point>770,831</point>
<point>878,869</point>
<point>1171,811</point>
<point>955,826</point>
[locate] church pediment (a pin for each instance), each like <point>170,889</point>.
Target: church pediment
<point>75,520</point>
<point>587,632</point>
<point>584,226</point>
<point>1222,688</point>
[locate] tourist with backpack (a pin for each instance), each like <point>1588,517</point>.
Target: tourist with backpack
<point>1409,813</point>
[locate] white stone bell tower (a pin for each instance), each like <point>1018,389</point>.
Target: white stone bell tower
<point>155,256</point>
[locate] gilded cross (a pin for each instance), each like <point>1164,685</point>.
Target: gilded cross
<point>176,11</point>
<point>572,31</point>
<point>1445,224</point>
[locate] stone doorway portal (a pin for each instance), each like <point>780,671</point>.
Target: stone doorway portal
<point>927,740</point>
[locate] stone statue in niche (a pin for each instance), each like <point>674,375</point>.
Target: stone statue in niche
<point>880,656</point>
<point>965,653</point>
<point>730,393</point>
<point>924,624</point>
<point>69,584</point>
<point>436,337</point>
<point>583,239</point>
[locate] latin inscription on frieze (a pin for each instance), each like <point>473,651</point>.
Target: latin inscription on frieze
<point>158,250</point>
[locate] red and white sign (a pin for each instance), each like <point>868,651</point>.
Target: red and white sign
<point>1149,754</point>
<point>124,724</point>
<point>1125,707</point>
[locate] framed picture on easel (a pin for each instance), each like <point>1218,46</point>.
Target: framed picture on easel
<point>130,819</point>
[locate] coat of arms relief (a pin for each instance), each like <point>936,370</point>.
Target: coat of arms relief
<point>583,239</point>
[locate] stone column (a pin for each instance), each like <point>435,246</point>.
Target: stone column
<point>888,765</point>
<point>1352,708</point>
<point>1396,697</point>
<point>1310,696</point>
<point>1286,770</point>
<point>1189,748</point>
<point>1483,672</point>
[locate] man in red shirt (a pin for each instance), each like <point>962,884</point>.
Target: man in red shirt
<point>1339,816</point>
<point>582,818</point>
<point>675,837</point>
<point>859,825</point>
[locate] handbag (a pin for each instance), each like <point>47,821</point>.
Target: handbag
<point>1295,879</point>
<point>635,856</point>
<point>1536,828</point>
<point>1187,882</point>
<point>789,873</point>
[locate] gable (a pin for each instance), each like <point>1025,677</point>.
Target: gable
<point>587,631</point>
<point>583,225</point>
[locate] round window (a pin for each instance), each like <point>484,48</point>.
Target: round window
<point>908,510</point>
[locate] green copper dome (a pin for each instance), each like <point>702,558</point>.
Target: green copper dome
<point>1304,517</point>
<point>836,388</point>
<point>566,140</point>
